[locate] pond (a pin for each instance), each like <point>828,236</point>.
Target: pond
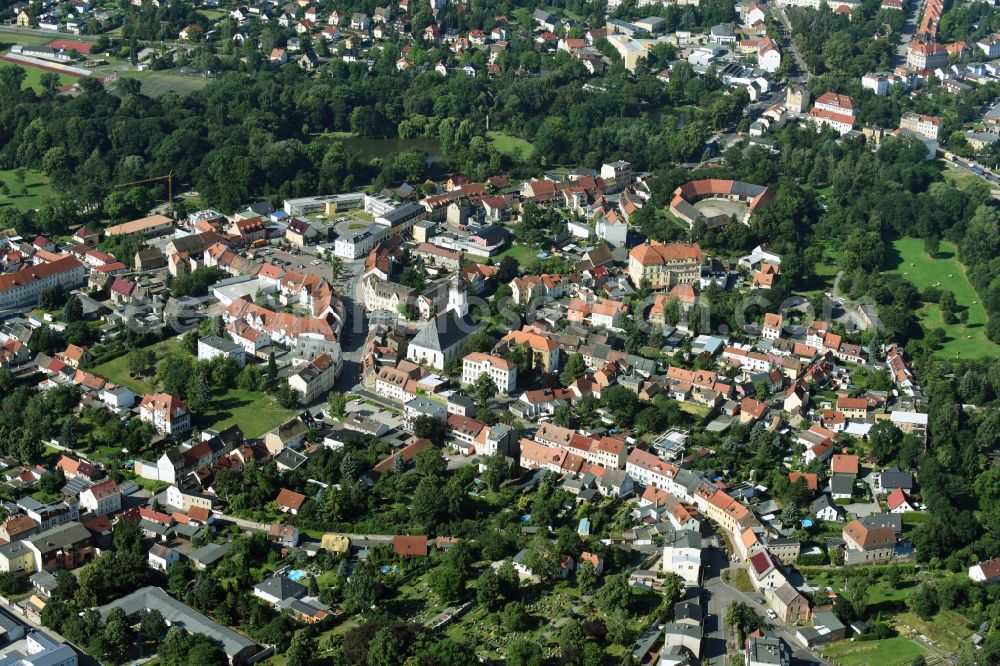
<point>369,149</point>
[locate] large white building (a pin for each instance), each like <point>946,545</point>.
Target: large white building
<point>26,285</point>
<point>503,372</point>
<point>360,243</point>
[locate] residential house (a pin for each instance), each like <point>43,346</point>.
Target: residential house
<point>162,558</point>
<point>409,546</point>
<point>315,379</point>
<point>765,571</point>
<point>102,498</point>
<point>864,544</point>
<point>65,546</point>
<point>289,501</point>
<point>167,413</point>
<point>788,604</point>
<point>682,556</point>
<point>500,370</point>
<point>986,572</point>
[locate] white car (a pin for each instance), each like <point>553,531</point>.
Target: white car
<point>316,262</point>
<point>771,614</point>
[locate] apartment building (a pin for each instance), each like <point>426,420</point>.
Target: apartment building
<point>502,371</point>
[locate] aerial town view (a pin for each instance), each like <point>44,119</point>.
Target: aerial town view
<point>508,332</point>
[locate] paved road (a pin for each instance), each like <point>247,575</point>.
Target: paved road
<point>799,60</point>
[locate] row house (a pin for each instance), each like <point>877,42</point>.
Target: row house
<point>399,383</point>
<point>540,456</point>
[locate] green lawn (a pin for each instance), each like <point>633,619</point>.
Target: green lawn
<point>36,189</point>
<point>520,253</point>
<point>945,271</point>
<point>947,627</point>
<point>511,146</point>
<point>9,39</point>
<point>33,79</point>
<point>890,652</point>
<point>156,84</point>
<point>254,412</point>
<point>117,370</point>
<point>213,14</point>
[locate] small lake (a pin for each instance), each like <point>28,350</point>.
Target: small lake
<point>369,149</point>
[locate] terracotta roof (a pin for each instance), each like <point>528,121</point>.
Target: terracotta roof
<point>812,483</point>
<point>409,546</point>
<point>290,499</point>
<point>29,274</point>
<point>843,463</point>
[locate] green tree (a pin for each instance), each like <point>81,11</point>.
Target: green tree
<point>616,593</point>
<point>489,590</point>
<point>447,582</point>
<point>574,369</point>
<point>514,617</point>
<point>337,403</point>
<point>117,634</point>
<point>302,650</point>
<point>485,389</point>
<point>152,626</point>
<point>140,361</point>
<point>386,648</point>
<point>359,592</point>
<point>586,577</point>
<point>498,470</point>
<point>73,310</point>
<point>524,653</point>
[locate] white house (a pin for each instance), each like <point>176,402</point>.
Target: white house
<point>614,231</point>
<point>213,346</point>
<point>683,556</point>
<point>162,558</point>
<point>102,498</point>
<point>986,572</point>
<point>167,413</point>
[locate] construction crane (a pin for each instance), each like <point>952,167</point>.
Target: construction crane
<point>170,188</point>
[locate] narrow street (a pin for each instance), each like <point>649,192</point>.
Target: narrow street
<point>719,595</point>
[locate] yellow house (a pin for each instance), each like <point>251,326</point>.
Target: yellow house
<point>335,543</point>
<point>24,19</point>
<point>16,557</point>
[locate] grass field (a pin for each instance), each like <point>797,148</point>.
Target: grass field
<point>117,370</point>
<point>947,628</point>
<point>156,84</point>
<point>511,146</point>
<point>213,14</point>
<point>36,185</point>
<point>9,39</point>
<point>33,79</point>
<point>890,652</point>
<point>908,257</point>
<point>520,253</point>
<point>253,411</point>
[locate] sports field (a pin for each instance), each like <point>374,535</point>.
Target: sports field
<point>33,79</point>
<point>946,272</point>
